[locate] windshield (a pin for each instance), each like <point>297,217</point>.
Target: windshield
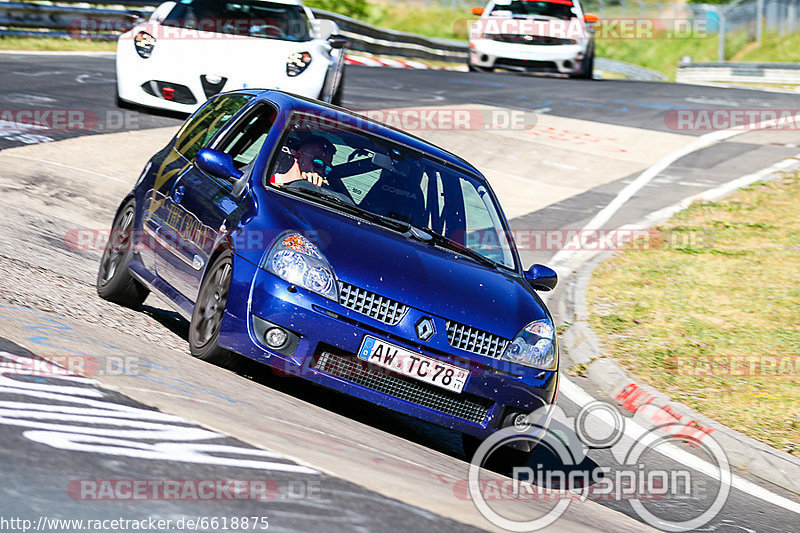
<point>250,18</point>
<point>357,171</point>
<point>561,9</point>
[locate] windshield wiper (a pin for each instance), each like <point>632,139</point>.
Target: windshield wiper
<point>348,207</point>
<point>427,235</point>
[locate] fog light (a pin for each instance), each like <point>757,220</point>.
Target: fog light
<point>519,421</point>
<point>276,337</point>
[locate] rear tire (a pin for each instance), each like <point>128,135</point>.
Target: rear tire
<point>114,281</point>
<point>207,315</point>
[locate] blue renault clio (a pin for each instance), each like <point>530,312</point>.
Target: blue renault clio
<point>348,253</point>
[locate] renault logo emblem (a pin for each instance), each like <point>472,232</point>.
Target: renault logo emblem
<point>425,328</point>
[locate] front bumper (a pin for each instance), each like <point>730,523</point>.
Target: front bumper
<point>142,81</point>
<point>560,59</point>
<point>329,334</point>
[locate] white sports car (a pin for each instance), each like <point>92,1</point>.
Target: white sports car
<point>533,36</point>
<point>190,50</point>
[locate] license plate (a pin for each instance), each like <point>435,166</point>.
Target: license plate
<point>412,364</point>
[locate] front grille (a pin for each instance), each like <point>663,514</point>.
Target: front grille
<point>529,39</point>
<point>529,64</point>
<point>466,406</point>
<point>475,340</point>
<point>373,305</point>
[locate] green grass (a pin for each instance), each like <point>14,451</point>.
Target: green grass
<point>49,44</point>
<point>774,48</point>
<point>723,282</point>
<point>664,54</point>
<point>432,21</point>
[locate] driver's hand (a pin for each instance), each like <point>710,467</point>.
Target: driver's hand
<point>314,178</point>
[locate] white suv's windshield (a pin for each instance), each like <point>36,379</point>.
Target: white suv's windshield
<point>248,18</point>
<point>560,9</point>
<point>392,184</point>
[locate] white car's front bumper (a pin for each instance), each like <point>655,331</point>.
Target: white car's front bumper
<point>179,64</point>
<point>563,58</point>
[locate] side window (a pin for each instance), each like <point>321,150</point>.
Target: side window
<point>202,127</point>
<point>248,136</point>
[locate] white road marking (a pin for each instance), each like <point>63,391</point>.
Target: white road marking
<point>571,248</point>
<point>62,165</point>
<point>41,73</point>
<point>635,431</point>
<point>713,194</point>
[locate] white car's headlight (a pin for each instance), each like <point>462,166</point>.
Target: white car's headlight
<point>297,260</point>
<point>297,62</point>
<point>144,43</point>
<point>535,346</point>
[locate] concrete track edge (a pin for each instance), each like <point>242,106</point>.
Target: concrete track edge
<point>580,345</point>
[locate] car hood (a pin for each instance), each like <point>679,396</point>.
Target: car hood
<point>425,277</point>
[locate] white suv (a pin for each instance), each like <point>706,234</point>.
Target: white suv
<point>533,36</point>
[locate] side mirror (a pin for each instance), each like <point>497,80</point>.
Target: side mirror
<point>217,164</point>
<point>477,11</point>
<point>541,278</point>
<point>338,41</point>
<point>591,19</point>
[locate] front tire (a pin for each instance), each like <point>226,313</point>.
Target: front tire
<point>114,281</point>
<point>504,458</point>
<point>474,68</point>
<point>587,68</point>
<point>207,315</point>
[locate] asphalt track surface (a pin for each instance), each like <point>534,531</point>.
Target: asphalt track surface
<point>83,82</point>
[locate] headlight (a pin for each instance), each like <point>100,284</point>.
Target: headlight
<point>295,259</point>
<point>297,62</point>
<point>144,43</point>
<point>535,346</point>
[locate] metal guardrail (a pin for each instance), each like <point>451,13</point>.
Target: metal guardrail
<point>40,20</point>
<point>70,18</point>
<point>634,72</point>
<point>727,72</point>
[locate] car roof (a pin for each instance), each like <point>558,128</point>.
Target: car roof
<point>349,118</point>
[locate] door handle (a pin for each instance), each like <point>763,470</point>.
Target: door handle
<point>177,194</point>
